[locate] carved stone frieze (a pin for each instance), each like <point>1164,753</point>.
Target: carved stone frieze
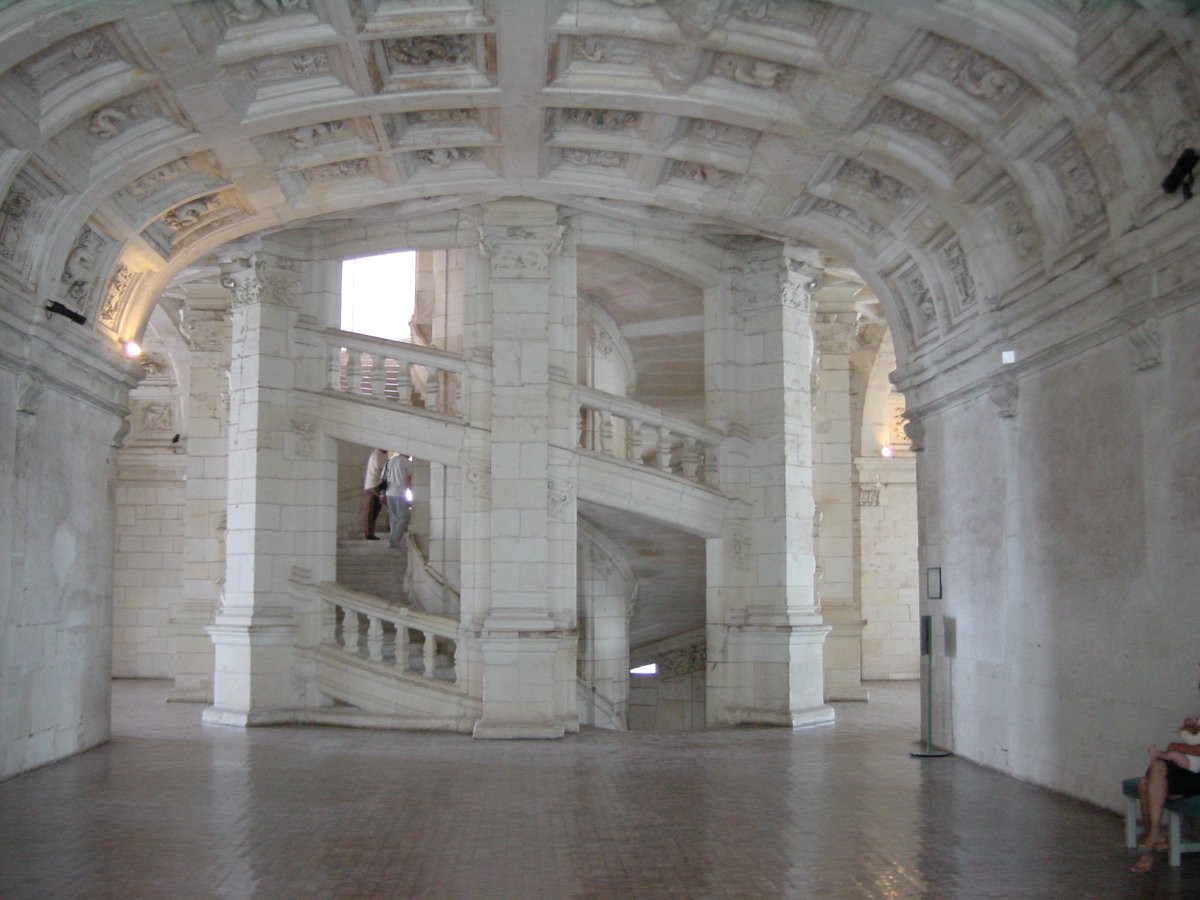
<point>1081,190</point>
<point>973,72</point>
<point>347,168</point>
<point>618,51</point>
<point>114,297</point>
<point>243,11</point>
<point>805,15</point>
<point>702,173</point>
<point>948,139</point>
<point>719,133</point>
<point>66,60</point>
<point>191,213</point>
<point>154,416</point>
<point>606,158</point>
<point>758,73</point>
<point>517,252</point>
<point>439,118</point>
<point>603,119</point>
<point>302,63</point>
<point>1018,225</point>
<point>13,212</point>
<point>875,182</point>
<point>150,182</point>
<point>443,157</point>
<point>434,51</point>
<point>846,214</point>
<point>956,261</point>
<point>306,137</point>
<point>79,273</point>
<point>1145,340</point>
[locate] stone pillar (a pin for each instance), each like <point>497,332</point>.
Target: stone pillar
<point>765,631</point>
<point>255,630</point>
<point>205,323</point>
<point>834,322</point>
<point>528,639</point>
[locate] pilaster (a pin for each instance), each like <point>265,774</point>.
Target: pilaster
<point>527,635</point>
<point>765,633</point>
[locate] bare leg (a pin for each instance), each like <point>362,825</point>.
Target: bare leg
<point>1152,791</point>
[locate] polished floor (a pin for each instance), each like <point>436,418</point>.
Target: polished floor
<point>175,809</point>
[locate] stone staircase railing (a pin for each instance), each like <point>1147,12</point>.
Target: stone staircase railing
<point>387,636</point>
<point>651,437</point>
<point>395,371</point>
<point>427,586</point>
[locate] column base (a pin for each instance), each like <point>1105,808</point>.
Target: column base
<point>507,731</point>
<point>816,715</point>
<point>240,718</point>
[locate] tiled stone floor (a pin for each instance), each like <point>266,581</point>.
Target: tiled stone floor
<point>173,809</point>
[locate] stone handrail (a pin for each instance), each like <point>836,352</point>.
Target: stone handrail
<point>385,623</point>
<point>427,585</point>
<point>678,446</point>
<point>396,371</point>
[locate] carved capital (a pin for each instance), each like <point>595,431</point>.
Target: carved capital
<point>519,252</point>
<point>1003,392</point>
<point>1145,339</point>
<point>914,430</point>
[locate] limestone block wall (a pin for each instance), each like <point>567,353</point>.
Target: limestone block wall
<point>1066,523</point>
<point>56,531</point>
<point>148,562</point>
<point>888,573</point>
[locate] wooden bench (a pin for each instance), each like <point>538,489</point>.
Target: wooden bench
<point>1176,810</point>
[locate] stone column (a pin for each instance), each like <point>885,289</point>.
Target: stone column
<point>255,629</point>
<point>205,323</point>
<point>834,322</point>
<point>765,631</point>
<point>527,639</point>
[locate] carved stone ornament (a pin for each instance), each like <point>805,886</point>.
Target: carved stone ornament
<point>13,211</point>
<point>939,132</point>
<point>684,661</point>
<point>802,278</point>
<point>308,136</point>
<point>978,75</point>
<point>283,68</point>
<point>952,251</point>
<point>153,180</point>
<point>1004,392</point>
<point>114,297</point>
<point>868,494</point>
<point>757,73</point>
<point>304,435</point>
<point>559,500</point>
<point>1145,339</point>
<point>480,476</point>
<point>188,214</point>
<point>606,158</point>
<point>848,215</point>
<point>347,168</point>
<point>29,394</point>
<point>1081,190</point>
<point>616,51</point>
<point>798,14</point>
<point>244,281</point>
<point>701,173</point>
<point>602,563</point>
<point>914,428</point>
<point>740,550</point>
<point>518,252</point>
<point>110,121</point>
<point>253,10</point>
<point>875,182</point>
<point>206,331</point>
<point>435,51</point>
<point>80,269</point>
<point>444,157</point>
<point>155,416</point>
<point>122,432</point>
<point>603,119</point>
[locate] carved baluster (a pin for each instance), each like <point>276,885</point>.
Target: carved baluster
<point>378,375</point>
<point>635,441</point>
<point>691,458</point>
<point>350,630</point>
<point>404,382</point>
<point>432,386</point>
<point>335,368</point>
<point>328,623</point>
<point>606,432</point>
<point>354,372</point>
<point>664,448</point>
<point>375,637</point>
<point>430,653</point>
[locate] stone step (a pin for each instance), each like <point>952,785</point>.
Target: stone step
<point>372,567</point>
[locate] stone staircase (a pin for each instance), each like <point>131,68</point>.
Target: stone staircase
<point>372,567</point>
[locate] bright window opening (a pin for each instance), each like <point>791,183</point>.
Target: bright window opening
<point>379,295</point>
<point>651,669</point>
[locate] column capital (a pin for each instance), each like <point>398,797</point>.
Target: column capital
<point>520,251</point>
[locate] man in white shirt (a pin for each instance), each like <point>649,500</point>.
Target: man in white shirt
<point>374,502</point>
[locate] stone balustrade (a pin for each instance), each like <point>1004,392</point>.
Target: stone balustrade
<point>428,586</point>
<point>363,626</point>
<point>395,371</point>
<point>648,436</point>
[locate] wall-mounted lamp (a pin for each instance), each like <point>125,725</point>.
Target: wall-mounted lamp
<point>133,349</point>
<point>57,308</point>
<point>1008,357</point>
<point>1182,174</point>
<point>886,451</point>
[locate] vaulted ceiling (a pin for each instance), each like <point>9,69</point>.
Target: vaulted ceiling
<point>957,154</point>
